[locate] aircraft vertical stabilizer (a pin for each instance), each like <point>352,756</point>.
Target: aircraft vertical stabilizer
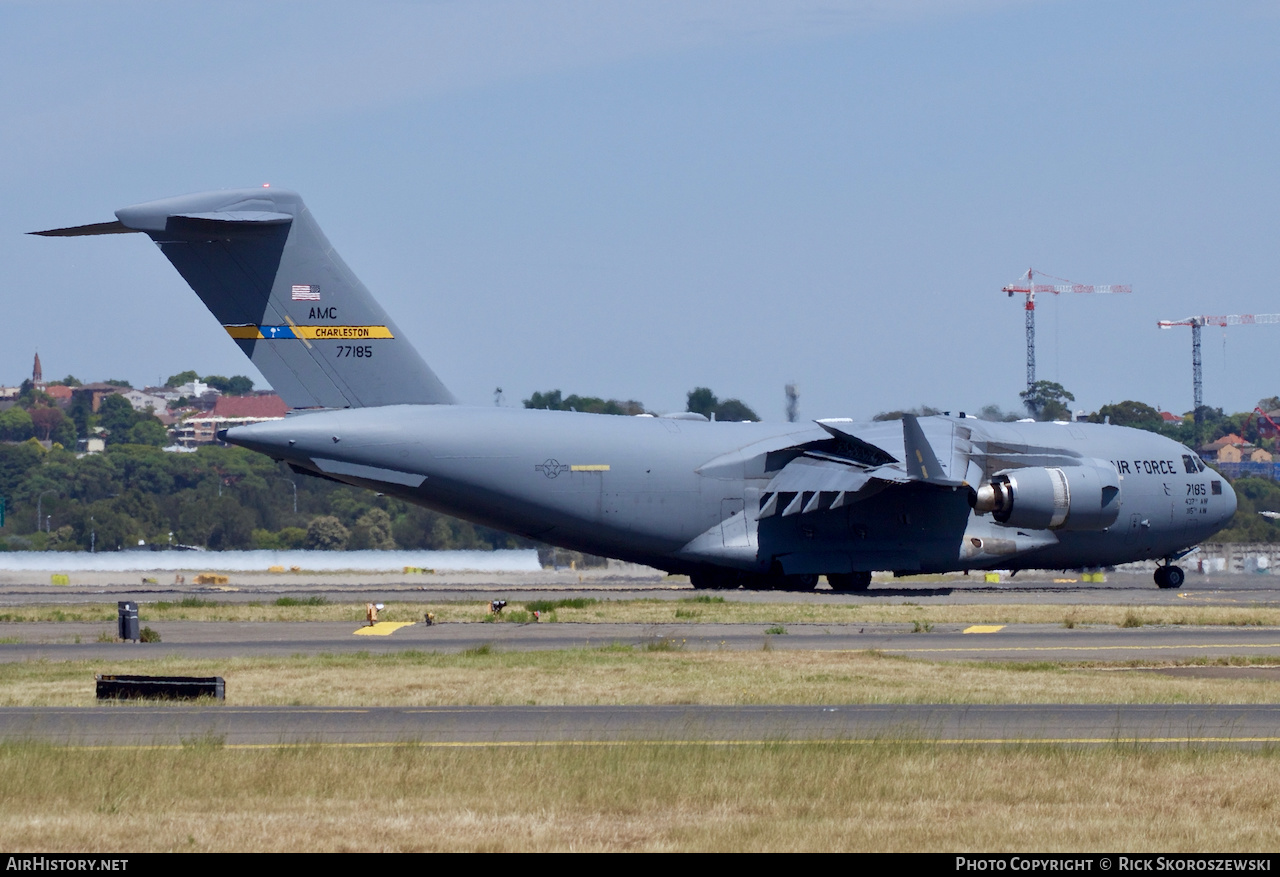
<point>263,267</point>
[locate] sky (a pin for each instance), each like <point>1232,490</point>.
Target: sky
<point>632,199</point>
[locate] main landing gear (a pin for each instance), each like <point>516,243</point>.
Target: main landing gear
<point>1169,576</point>
<point>849,581</point>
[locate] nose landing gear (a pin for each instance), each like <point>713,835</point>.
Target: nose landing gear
<point>1169,576</point>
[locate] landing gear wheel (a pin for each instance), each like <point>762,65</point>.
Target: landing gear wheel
<point>777,580</point>
<point>849,581</point>
<point>714,579</point>
<point>801,583</point>
<point>1169,577</point>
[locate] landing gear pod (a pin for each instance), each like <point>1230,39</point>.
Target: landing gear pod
<point>1070,498</point>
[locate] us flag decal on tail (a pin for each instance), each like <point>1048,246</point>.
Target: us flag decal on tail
<point>306,293</point>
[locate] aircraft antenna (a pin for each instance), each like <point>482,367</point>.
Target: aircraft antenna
<point>1027,286</point>
<point>1196,324</point>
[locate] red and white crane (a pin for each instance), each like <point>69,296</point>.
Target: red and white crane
<point>1196,324</point>
<point>1027,286</point>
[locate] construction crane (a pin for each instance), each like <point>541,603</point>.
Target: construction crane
<point>1027,286</point>
<point>1267,428</point>
<point>1196,324</point>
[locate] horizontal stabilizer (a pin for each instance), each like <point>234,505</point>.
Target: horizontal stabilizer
<point>115,227</point>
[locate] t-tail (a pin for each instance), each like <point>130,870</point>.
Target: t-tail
<point>263,267</point>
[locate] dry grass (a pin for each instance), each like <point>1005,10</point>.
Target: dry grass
<point>620,674</point>
<point>687,611</point>
<point>892,796</point>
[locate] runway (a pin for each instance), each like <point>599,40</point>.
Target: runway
<point>57,641</point>
<point>134,724</point>
<point>171,725</point>
<point>1120,588</point>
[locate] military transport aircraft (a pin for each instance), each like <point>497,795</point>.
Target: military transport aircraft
<point>730,504</point>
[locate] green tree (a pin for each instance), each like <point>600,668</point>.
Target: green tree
<point>1130,413</point>
<point>373,531</point>
<point>551,400</point>
<point>64,433</point>
<point>554,401</point>
<point>326,533</point>
<point>17,464</point>
<point>81,413</point>
<point>16,425</point>
<point>233,526</point>
<point>148,431</point>
<point>1048,400</point>
<point>29,396</point>
<point>236,385</point>
<point>124,425</point>
<point>181,378</point>
<point>996,414</point>
<point>735,410</point>
<point>700,400</point>
<point>292,537</point>
<point>918,411</point>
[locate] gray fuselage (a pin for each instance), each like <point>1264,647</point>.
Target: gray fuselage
<point>671,493</point>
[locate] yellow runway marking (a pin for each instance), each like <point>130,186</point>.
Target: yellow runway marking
<point>383,628</point>
<point>1214,598</point>
<point>983,628</point>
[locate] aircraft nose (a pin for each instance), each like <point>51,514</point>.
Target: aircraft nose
<point>1228,500</point>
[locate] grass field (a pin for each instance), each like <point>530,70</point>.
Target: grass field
<point>700,609</point>
<point>622,674</point>
<point>888,795</point>
<point>893,795</point>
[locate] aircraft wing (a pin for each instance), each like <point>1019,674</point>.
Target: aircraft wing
<point>831,474</point>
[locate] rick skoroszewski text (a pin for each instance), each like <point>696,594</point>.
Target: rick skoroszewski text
<point>1108,863</point>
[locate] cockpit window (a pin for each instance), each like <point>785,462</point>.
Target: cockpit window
<point>1189,464</point>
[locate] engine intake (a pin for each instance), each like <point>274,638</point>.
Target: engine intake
<point>1073,498</point>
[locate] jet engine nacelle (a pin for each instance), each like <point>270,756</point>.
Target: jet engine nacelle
<point>1084,497</point>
